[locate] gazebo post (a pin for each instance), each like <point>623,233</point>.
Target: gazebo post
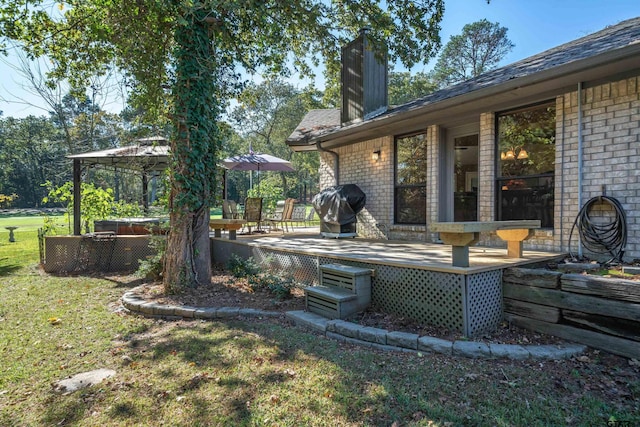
<point>145,192</point>
<point>77,180</point>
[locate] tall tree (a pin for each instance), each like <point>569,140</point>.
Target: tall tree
<point>405,87</point>
<point>31,153</point>
<point>479,48</point>
<point>196,48</point>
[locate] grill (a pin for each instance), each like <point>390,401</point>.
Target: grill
<point>337,208</point>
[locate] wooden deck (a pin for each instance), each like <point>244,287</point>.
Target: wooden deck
<point>412,279</point>
<point>428,256</point>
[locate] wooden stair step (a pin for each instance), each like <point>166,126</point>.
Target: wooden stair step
<point>329,292</point>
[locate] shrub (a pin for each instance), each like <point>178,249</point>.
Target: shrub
<point>152,267</point>
<point>240,267</point>
<point>280,286</point>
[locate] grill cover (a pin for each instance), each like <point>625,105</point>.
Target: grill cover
<point>339,204</point>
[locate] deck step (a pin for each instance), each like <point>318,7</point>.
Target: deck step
<point>323,301</point>
<point>331,293</point>
<point>343,291</point>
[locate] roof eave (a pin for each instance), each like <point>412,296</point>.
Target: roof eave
<point>592,68</point>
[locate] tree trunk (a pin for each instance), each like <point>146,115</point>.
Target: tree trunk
<point>187,258</point>
<point>194,146</point>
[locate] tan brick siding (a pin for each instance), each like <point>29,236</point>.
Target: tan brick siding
<point>611,156</point>
<point>611,161</point>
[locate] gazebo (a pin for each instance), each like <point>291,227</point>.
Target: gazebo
<point>147,156</point>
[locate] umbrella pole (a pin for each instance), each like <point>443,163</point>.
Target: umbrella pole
<point>224,184</point>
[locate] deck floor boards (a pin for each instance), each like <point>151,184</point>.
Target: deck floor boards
<point>429,256</point>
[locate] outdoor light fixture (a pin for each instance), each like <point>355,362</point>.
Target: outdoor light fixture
<point>375,156</point>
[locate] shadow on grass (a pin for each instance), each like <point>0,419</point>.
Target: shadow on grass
<point>121,279</point>
<point>241,373</point>
<point>219,348</point>
<point>64,411</point>
<point>6,270</point>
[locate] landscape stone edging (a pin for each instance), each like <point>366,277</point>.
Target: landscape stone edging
<point>353,333</point>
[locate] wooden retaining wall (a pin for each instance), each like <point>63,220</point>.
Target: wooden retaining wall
<point>602,313</point>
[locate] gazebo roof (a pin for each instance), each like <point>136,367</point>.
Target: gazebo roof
<point>145,156</point>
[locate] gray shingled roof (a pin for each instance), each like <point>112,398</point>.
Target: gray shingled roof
<point>614,37</point>
<point>315,123</point>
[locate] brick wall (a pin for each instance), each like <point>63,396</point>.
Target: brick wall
<point>611,155</point>
<point>611,160</point>
<point>434,143</point>
<point>375,179</point>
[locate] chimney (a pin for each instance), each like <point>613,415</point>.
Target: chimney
<point>364,80</point>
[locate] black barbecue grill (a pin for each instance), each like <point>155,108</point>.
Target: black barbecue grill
<point>337,208</point>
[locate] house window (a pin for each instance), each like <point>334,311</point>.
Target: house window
<point>526,164</point>
<point>411,179</point>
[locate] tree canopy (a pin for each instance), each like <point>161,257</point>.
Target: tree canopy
<point>405,87</point>
<point>184,58</point>
<point>479,48</point>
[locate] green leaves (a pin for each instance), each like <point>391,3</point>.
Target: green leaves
<point>479,48</point>
<point>199,49</point>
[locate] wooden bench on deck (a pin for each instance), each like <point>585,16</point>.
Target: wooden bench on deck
<point>461,235</point>
<point>232,225</point>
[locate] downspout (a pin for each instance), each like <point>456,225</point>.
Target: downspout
<point>564,146</point>
<point>336,163</point>
<point>579,157</point>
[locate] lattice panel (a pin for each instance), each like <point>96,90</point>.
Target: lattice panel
<point>428,297</point>
<point>470,304</point>
<point>303,268</point>
<point>85,253</point>
<point>484,302</point>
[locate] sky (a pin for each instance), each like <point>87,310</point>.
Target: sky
<point>533,26</point>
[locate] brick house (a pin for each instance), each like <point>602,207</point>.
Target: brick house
<point>535,139</point>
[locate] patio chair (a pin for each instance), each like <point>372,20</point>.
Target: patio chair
<point>309,218</point>
<point>253,212</point>
<point>276,216</point>
<point>299,214</point>
<point>229,209</point>
<point>282,215</point>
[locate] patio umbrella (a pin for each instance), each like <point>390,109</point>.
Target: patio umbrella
<point>256,162</point>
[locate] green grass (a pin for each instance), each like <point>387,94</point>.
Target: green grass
<point>257,373</point>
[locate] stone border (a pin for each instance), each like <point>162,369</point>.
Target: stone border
<point>353,333</point>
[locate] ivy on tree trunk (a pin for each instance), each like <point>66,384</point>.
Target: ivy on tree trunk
<point>194,147</point>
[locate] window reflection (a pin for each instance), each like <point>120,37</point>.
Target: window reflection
<point>526,159</point>
<point>411,179</point>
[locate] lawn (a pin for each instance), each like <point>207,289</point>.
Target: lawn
<point>259,372</point>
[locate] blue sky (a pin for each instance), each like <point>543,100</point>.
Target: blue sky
<point>534,26</point>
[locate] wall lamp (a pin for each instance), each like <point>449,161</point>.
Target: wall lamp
<point>375,156</point>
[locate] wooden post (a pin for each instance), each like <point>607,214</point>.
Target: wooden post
<point>460,246</point>
<point>514,238</point>
<point>145,193</point>
<point>77,182</point>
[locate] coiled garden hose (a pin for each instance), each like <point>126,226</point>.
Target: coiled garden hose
<point>602,237</point>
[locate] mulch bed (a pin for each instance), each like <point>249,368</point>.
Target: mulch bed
<point>228,291</point>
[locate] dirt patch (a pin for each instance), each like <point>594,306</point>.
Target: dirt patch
<point>228,291</point>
